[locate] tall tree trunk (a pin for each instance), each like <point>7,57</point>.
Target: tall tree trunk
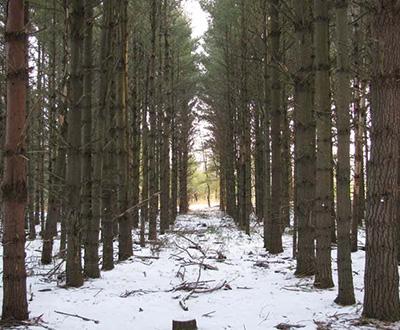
<point>89,221</point>
<point>135,138</point>
<point>174,166</point>
<point>245,141</point>
<point>323,204</point>
<point>125,225</point>
<point>37,129</point>
<point>104,128</point>
<point>153,205</point>
<point>15,306</point>
<point>345,274</point>
<point>286,191</point>
<point>144,211</point>
<point>62,205</point>
<point>231,179</point>
<point>266,133</point>
<point>381,281</point>
<point>87,122</point>
<point>259,162</point>
<point>304,140</point>
<point>184,161</point>
<point>74,276</point>
<point>165,176</point>
<point>30,145</point>
<point>276,232</point>
<point>50,229</point>
<point>358,193</point>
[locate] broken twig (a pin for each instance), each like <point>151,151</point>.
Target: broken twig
<point>78,316</point>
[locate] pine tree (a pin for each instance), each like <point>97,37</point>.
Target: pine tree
<point>381,282</point>
<point>276,224</point>
<point>323,212</point>
<point>345,275</point>
<point>15,306</point>
<point>304,140</point>
<point>74,276</point>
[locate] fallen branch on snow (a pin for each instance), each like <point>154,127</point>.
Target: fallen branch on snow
<point>78,316</point>
<point>286,326</point>
<point>189,286</point>
<point>133,292</point>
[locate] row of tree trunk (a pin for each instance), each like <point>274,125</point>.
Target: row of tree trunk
<point>98,141</point>
<point>290,87</point>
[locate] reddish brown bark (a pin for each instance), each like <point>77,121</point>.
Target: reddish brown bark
<point>381,299</point>
<point>14,188</point>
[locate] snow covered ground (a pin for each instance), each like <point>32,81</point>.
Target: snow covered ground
<point>223,277</point>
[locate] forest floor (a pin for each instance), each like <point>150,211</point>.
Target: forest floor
<point>203,269</point>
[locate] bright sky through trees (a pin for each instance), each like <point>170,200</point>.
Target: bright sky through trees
<point>198,17</point>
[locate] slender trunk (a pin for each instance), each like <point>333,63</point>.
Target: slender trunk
<point>165,176</point>
<point>266,133</point>
<point>37,128</point>
<point>91,232</point>
<point>87,122</point>
<point>304,140</point>
<point>358,172</point>
<point>153,129</point>
<point>184,162</point>
<point>259,162</point>
<point>345,274</point>
<point>144,211</point>
<point>136,142</point>
<point>61,206</point>
<point>245,140</point>
<point>31,146</point>
<point>54,208</point>
<point>74,276</point>
<point>323,212</point>
<point>230,176</point>
<point>50,229</point>
<point>125,225</point>
<point>104,128</point>
<point>286,164</point>
<point>174,169</point>
<point>276,233</point>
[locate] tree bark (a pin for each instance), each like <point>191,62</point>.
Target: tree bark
<point>15,306</point>
<point>244,200</point>
<point>323,203</point>
<point>304,140</point>
<point>74,276</point>
<point>87,121</point>
<point>124,223</point>
<point>381,281</point>
<point>267,141</point>
<point>276,231</point>
<point>165,176</point>
<point>345,274</point>
<point>152,171</point>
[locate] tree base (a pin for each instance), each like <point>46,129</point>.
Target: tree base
<point>345,300</point>
<point>184,325</point>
